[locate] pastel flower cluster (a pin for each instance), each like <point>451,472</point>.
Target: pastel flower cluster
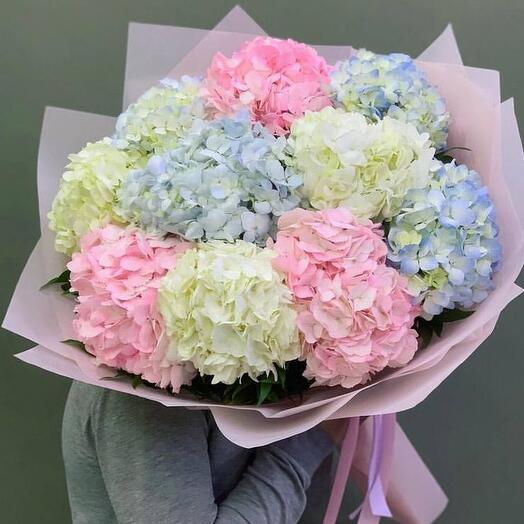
<point>316,246</point>
<point>116,274</point>
<point>277,80</point>
<point>347,161</point>
<point>86,195</point>
<point>226,180</point>
<point>155,122</point>
<point>357,313</point>
<point>390,85</point>
<point>445,240</point>
<point>228,312</point>
<point>231,230</point>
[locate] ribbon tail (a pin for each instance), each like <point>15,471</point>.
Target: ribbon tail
<point>414,495</point>
<point>375,504</point>
<point>347,452</point>
<point>377,496</point>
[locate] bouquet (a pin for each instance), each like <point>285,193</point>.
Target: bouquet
<point>281,234</point>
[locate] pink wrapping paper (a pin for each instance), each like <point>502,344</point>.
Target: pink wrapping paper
<point>409,486</point>
<point>480,122</point>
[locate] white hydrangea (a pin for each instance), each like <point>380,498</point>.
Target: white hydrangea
<point>368,167</point>
<point>228,311</point>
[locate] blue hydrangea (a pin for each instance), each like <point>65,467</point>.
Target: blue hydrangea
<point>379,85</point>
<point>445,240</point>
<point>225,180</point>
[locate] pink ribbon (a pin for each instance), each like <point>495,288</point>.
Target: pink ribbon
<point>374,505</point>
<point>347,452</point>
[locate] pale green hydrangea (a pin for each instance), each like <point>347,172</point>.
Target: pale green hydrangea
<point>86,196</point>
<point>227,310</point>
<point>160,116</point>
<point>368,167</point>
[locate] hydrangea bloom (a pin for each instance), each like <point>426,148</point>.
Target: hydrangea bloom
<point>315,246</point>
<point>392,85</point>
<point>347,161</point>
<point>86,196</point>
<point>277,80</point>
<point>225,180</point>
<point>117,274</point>
<point>160,116</point>
<point>227,310</point>
<point>357,315</point>
<point>445,240</point>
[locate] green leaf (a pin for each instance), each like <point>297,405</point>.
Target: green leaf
<point>386,226</point>
<point>425,331</point>
<point>263,392</point>
<point>240,388</point>
<point>267,388</point>
<point>444,158</point>
<point>282,377</point>
<point>444,155</point>
<point>273,396</point>
<point>452,315</point>
<point>438,326</point>
<point>66,290</point>
<point>63,278</point>
<point>456,148</point>
<point>137,381</point>
<point>427,328</point>
<point>74,343</point>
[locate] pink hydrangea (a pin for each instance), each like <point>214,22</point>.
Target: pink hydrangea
<point>313,246</point>
<point>117,274</point>
<point>277,80</point>
<point>356,314</point>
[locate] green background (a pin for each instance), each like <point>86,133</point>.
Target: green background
<point>71,53</point>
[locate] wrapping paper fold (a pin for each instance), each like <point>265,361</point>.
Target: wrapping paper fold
<point>480,122</point>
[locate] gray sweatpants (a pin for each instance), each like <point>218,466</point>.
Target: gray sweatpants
<point>133,461</point>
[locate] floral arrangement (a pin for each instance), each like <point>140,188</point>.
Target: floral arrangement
<point>278,225</point>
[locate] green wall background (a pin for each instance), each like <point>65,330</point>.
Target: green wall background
<point>71,53</point>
